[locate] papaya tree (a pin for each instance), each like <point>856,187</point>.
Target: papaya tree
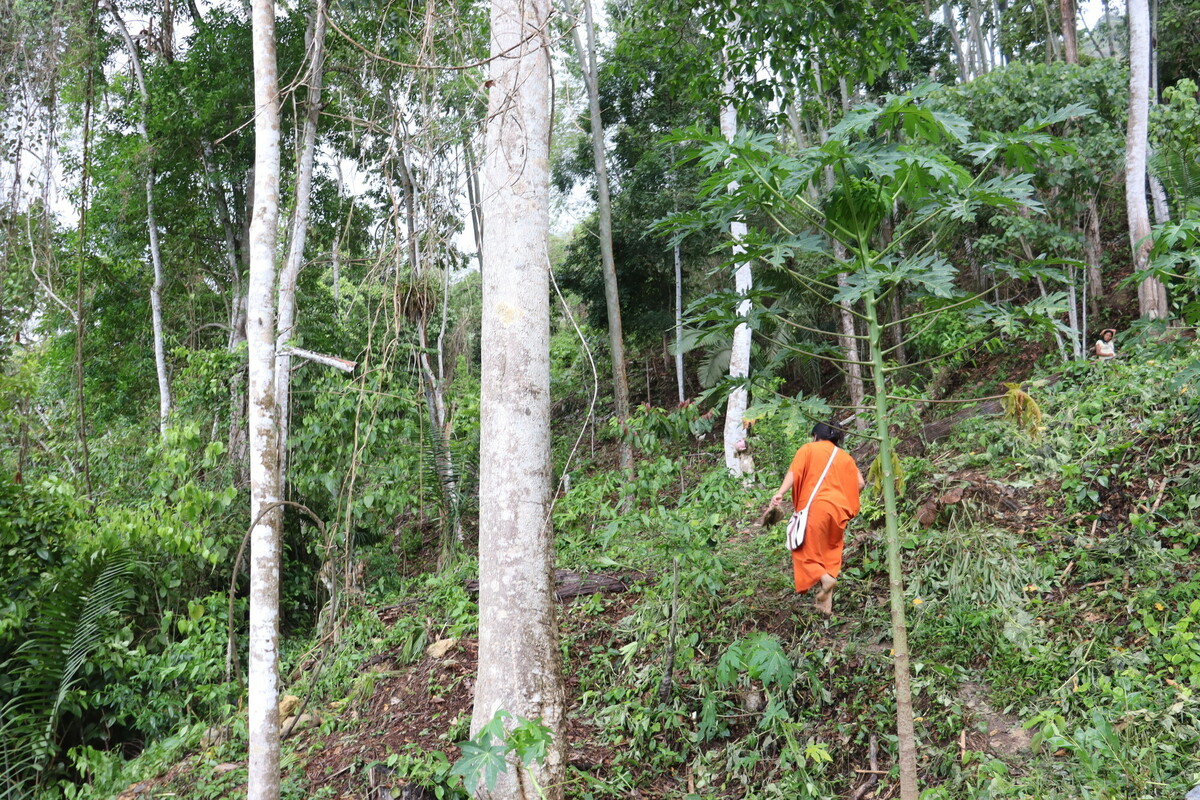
<point>901,157</point>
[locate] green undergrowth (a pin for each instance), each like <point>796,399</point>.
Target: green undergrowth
<point>1054,606</point>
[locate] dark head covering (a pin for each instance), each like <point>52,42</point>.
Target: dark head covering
<point>828,432</point>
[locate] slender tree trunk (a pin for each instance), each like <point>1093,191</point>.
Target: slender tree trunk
<point>849,346</point>
<point>887,230</point>
<point>216,192</point>
<point>847,338</point>
<point>960,58</point>
<point>1077,332</point>
<point>679,323</point>
<point>81,255</point>
<point>1066,9</point>
<point>1110,35</point>
<point>1051,34</point>
<point>905,732</point>
<point>474,200</point>
<point>1155,93</point>
<point>616,341</point>
<point>263,689</point>
<point>979,38</point>
<point>739,356</point>
<point>1058,340</point>
<point>1152,295</point>
<point>432,382</point>
<point>286,321</point>
<point>1093,252</point>
<point>519,660</point>
<point>160,357</point>
<point>1158,198</point>
<point>998,21</point>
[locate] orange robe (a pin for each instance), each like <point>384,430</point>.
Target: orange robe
<point>832,508</point>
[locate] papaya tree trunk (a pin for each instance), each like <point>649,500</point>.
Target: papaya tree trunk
<point>906,736</point>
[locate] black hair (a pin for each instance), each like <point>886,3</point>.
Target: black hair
<point>828,432</point>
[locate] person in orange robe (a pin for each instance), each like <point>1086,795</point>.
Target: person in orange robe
<point>819,559</point>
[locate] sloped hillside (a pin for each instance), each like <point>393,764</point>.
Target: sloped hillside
<point>1053,596</point>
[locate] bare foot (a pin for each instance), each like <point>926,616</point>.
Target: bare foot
<point>824,598</point>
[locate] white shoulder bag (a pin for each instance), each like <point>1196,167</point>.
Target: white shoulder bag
<point>798,524</point>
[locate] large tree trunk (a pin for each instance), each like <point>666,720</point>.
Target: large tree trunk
<point>160,357</point>
<point>1152,295</point>
<point>519,660</point>
<point>286,322</point>
<point>263,770</point>
<point>1066,9</point>
<point>739,356</point>
<point>616,340</point>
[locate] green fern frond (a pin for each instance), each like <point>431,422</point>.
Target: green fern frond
<point>46,667</point>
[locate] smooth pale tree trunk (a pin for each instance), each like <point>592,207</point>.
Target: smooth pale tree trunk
<point>1158,198</point>
<point>474,200</point>
<point>1077,332</point>
<point>739,355</point>
<point>612,302</point>
<point>1066,9</point>
<point>1110,35</point>
<point>849,345</point>
<point>286,321</point>
<point>160,357</point>
<point>679,323</point>
<point>1152,295</point>
<point>263,688</point>
<point>998,29</point>
<point>956,42</point>
<point>519,659</point>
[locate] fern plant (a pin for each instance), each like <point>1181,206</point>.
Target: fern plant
<point>45,670</point>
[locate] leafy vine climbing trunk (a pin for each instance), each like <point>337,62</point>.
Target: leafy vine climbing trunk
<point>263,689</point>
<point>519,659</point>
